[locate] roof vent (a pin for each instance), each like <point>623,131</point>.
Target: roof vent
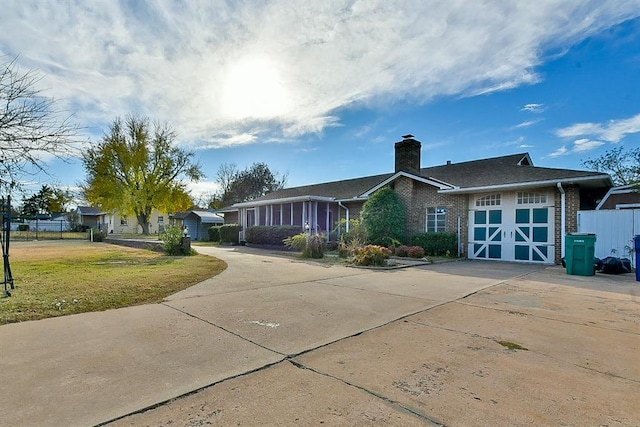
<point>407,136</point>
<point>448,162</point>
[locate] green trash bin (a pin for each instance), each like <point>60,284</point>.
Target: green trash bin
<point>580,254</point>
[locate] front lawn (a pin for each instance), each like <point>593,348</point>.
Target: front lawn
<point>67,277</point>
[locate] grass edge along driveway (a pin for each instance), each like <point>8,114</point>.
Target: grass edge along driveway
<point>57,278</point>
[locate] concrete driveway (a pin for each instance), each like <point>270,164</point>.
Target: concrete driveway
<point>275,340</point>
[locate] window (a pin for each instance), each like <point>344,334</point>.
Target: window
<point>160,219</point>
<point>489,200</point>
<point>123,220</point>
<point>436,219</point>
<point>525,198</point>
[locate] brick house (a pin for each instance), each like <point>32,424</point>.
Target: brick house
<point>502,208</point>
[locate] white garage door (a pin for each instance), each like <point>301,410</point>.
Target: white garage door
<point>514,226</point>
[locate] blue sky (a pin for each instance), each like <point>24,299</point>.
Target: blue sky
<point>322,89</point>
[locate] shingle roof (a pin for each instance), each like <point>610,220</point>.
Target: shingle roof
<point>499,171</point>
<point>345,189</point>
<point>496,171</point>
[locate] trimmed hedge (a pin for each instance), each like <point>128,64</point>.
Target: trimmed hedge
<point>229,233</point>
<point>214,233</point>
<point>437,244</point>
<point>271,235</point>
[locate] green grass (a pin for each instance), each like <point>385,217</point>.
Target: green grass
<point>511,345</point>
<point>68,277</point>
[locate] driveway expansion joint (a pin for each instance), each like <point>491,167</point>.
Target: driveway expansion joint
<point>224,329</point>
<point>388,401</point>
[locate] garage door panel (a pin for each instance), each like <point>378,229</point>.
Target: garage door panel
<point>520,230</point>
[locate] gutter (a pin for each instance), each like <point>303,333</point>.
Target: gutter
<point>563,217</point>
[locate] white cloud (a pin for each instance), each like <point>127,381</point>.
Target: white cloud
<point>533,108</point>
<point>585,144</point>
<point>562,151</point>
<point>612,131</point>
<point>226,73</point>
<point>525,124</point>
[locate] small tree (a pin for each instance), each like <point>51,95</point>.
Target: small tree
<point>172,241</point>
<point>623,166</point>
<point>135,169</point>
<point>383,216</point>
<point>240,186</point>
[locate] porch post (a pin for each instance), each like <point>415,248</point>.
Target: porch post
<point>327,214</point>
<point>281,211</point>
<point>257,211</point>
<point>271,215</point>
<point>304,213</point>
<point>315,216</point>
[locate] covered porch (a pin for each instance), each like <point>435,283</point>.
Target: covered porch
<point>314,214</point>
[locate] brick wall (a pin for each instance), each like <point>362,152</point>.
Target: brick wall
<point>418,196</point>
<point>572,200</point>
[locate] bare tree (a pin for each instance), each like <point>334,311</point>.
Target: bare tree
<point>30,125</point>
<point>622,165</point>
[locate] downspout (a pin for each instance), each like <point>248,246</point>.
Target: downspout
<point>347,211</point>
<point>563,218</point>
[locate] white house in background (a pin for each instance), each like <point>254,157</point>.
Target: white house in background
<point>115,223</point>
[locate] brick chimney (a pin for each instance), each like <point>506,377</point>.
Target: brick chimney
<point>408,155</point>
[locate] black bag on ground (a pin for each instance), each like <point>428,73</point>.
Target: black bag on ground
<point>613,265</point>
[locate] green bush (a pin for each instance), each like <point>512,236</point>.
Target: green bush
<point>99,235</point>
<point>383,216</point>
<point>437,244</point>
<point>229,233</point>
<point>356,231</point>
<point>172,241</point>
<point>311,246</point>
<point>409,251</point>
<point>214,233</point>
<point>270,235</point>
<point>371,255</point>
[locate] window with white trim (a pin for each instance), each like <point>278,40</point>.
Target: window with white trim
<point>528,198</point>
<point>436,219</point>
<point>123,220</point>
<point>489,200</point>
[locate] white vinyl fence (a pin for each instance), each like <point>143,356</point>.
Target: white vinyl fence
<point>614,230</point>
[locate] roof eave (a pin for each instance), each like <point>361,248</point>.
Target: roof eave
<point>306,198</point>
<point>528,184</point>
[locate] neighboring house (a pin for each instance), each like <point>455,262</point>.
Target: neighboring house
<point>198,222</point>
<point>621,197</point>
<point>114,222</point>
<point>90,217</point>
<point>502,208</point>
<point>128,224</point>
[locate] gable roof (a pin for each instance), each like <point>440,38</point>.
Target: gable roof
<point>206,217</point>
<point>511,171</point>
